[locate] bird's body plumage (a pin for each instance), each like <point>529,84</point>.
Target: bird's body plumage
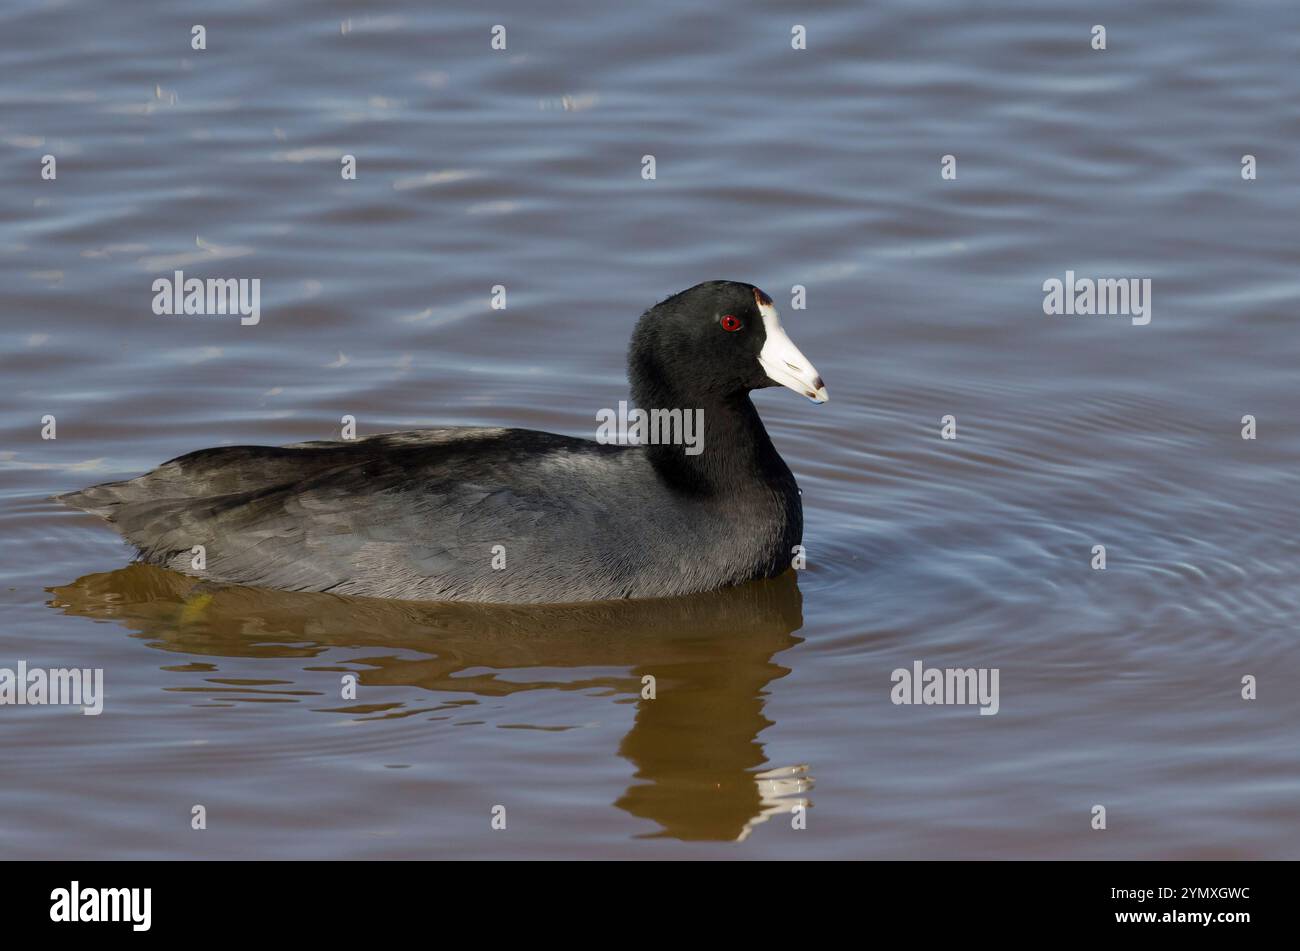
<point>493,515</point>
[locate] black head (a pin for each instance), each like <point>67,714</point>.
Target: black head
<point>715,340</point>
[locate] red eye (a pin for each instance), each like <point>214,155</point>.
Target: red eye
<point>731,323</point>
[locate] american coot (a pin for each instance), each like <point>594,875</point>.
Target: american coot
<point>508,515</point>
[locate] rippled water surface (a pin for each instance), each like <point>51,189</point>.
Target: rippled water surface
<point>780,167</point>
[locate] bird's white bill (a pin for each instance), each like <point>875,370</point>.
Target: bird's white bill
<point>784,364</point>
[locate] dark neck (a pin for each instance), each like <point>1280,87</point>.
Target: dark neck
<point>737,454</point>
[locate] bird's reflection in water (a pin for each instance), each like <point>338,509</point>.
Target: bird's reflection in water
<point>700,770</point>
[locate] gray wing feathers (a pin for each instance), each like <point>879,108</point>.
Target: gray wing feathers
<point>415,515</point>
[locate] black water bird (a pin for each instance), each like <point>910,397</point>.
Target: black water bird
<point>508,515</point>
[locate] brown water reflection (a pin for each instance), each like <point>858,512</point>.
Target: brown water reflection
<point>701,771</point>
